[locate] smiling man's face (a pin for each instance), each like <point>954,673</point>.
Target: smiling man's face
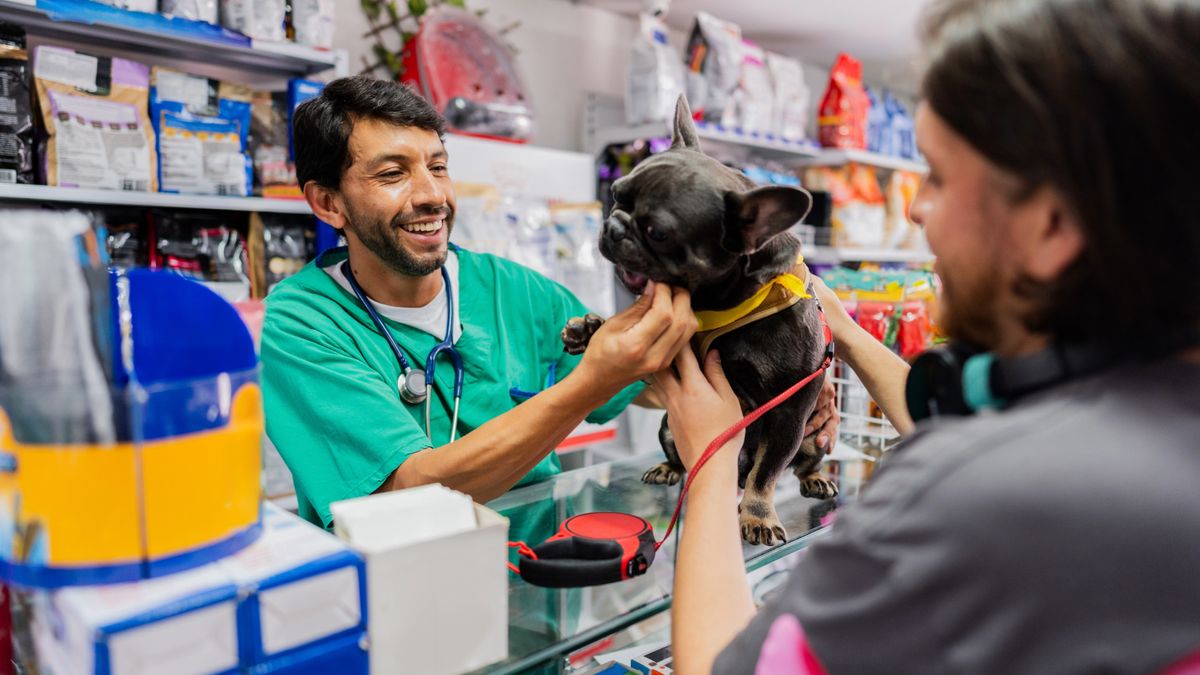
<point>397,196</point>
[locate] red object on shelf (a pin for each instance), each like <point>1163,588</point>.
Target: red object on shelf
<point>843,112</point>
<point>466,72</point>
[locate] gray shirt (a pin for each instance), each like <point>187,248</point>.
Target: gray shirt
<point>1060,536</point>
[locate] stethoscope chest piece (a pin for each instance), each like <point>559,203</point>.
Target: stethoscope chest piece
<point>413,390</point>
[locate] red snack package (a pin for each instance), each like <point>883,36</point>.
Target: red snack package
<point>916,329</point>
<point>874,318</point>
<point>843,111</point>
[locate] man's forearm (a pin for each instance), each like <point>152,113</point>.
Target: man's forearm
<point>491,459</point>
<point>712,600</point>
<point>882,372</point>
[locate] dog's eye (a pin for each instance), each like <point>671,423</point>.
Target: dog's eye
<point>655,234</point>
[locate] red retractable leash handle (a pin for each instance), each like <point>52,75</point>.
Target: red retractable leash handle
<point>600,548</point>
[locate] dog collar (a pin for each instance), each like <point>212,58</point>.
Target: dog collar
<point>776,295</point>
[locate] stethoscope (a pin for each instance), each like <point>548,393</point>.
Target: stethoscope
<point>414,384</point>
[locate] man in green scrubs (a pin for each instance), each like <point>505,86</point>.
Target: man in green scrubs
<point>370,158</point>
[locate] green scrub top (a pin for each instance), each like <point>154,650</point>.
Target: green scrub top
<point>330,397</point>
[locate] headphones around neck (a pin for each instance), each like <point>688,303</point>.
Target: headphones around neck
<point>959,380</point>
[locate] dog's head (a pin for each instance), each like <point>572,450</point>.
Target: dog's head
<point>684,219</point>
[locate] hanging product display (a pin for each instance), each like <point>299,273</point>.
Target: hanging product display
<point>258,19</point>
<point>469,76</point>
<point>96,132</point>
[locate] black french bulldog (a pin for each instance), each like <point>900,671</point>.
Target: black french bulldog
<point>684,219</point>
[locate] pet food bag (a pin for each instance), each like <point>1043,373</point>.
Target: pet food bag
<point>196,10</point>
<point>655,78</point>
<point>789,118</point>
<point>312,22</point>
<point>94,114</point>
<point>202,127</point>
<point>844,107</point>
<point>274,172</point>
<point>715,53</point>
<point>16,114</point>
<point>754,100</point>
<point>258,19</point>
<point>901,190</point>
<point>859,215</point>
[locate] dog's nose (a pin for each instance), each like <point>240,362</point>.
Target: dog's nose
<point>616,225</point>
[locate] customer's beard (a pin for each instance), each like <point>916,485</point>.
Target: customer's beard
<point>969,308</point>
<point>382,239</point>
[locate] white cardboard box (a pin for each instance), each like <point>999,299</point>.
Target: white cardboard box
<point>298,586</point>
<point>437,579</point>
<point>293,601</point>
<point>183,623</point>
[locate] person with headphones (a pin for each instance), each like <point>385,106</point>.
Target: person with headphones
<point>1042,514</point>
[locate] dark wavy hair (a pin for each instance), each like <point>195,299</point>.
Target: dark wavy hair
<point>322,126</point>
<point>1099,99</point>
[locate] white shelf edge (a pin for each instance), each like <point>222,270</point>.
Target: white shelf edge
<point>61,195</point>
<point>840,157</point>
<point>830,254</point>
<point>625,134</point>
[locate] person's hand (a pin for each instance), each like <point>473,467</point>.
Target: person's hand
<point>641,340</point>
<point>825,418</point>
<point>700,407</point>
<point>839,320</point>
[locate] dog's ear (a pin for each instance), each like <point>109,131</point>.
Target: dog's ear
<point>684,134</point>
<point>755,216</point>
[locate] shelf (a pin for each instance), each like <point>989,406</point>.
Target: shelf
<point>840,157</point>
<point>767,146</point>
<point>60,195</point>
<point>830,254</point>
<point>281,58</point>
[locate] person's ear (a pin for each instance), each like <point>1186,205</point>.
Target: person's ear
<point>326,204</point>
<point>1048,236</point>
<point>754,217</point>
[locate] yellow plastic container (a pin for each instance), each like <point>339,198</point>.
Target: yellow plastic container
<point>185,491</point>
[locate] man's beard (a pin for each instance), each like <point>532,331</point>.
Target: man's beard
<point>970,306</point>
<point>381,239</point>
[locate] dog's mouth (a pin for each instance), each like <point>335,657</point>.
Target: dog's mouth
<point>634,282</point>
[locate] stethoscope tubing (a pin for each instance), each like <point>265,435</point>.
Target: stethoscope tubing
<point>446,346</point>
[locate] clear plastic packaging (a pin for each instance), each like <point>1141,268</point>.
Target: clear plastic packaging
<point>313,22</point>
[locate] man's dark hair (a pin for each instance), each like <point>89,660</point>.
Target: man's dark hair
<point>322,126</point>
<point>1099,99</point>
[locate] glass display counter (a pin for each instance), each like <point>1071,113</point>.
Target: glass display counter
<point>559,630</point>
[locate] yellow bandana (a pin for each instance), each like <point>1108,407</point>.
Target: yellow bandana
<point>775,296</point>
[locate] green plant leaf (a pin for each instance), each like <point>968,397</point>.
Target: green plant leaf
<point>371,9</point>
<point>393,13</point>
<point>418,7</point>
<point>461,4</point>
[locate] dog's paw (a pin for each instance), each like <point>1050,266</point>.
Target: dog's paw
<point>816,487</point>
<point>663,474</point>
<point>766,530</point>
<point>579,331</point>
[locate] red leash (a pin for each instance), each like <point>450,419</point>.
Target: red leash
<point>746,421</point>
<point>605,547</point>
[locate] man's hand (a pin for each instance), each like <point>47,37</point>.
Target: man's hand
<point>641,340</point>
<point>825,418</point>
